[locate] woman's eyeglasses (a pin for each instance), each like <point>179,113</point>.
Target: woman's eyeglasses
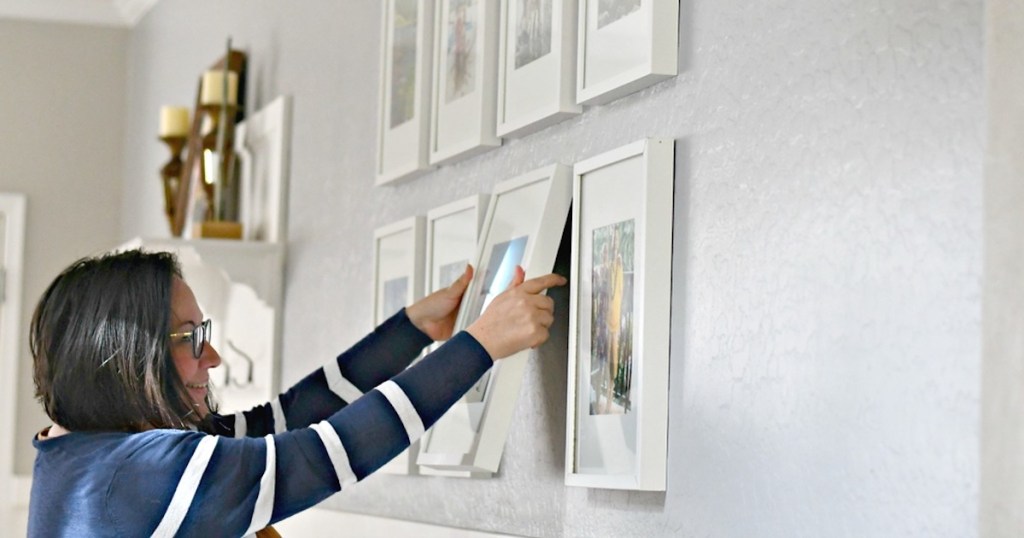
<point>198,336</point>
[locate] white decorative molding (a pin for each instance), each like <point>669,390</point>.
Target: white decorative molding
<point>92,12</point>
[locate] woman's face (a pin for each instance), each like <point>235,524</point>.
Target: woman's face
<point>186,316</point>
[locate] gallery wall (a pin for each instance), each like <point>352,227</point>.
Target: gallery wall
<point>825,363</point>
<point>62,93</point>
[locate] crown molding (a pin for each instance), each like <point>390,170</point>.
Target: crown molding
<point>123,13</point>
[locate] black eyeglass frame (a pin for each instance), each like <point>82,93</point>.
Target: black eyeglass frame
<point>198,336</point>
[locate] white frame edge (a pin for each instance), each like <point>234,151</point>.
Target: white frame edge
<point>405,462</point>
<point>478,203</point>
<point>424,56</point>
<point>664,24</point>
<point>486,139</point>
<point>552,113</point>
<point>652,407</point>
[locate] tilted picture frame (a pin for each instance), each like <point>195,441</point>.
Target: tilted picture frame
<point>536,65</point>
<point>465,73</point>
<point>398,251</point>
<point>625,45</point>
<point>524,223</point>
<point>619,310</point>
<point>403,127</point>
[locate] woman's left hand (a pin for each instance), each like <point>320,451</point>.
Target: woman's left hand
<point>435,314</point>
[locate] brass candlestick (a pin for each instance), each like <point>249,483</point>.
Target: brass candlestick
<point>218,163</point>
<point>170,173</point>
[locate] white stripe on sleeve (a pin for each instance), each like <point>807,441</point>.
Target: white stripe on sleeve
<point>336,452</point>
<point>240,425</point>
<point>264,508</point>
<point>339,385</point>
<point>187,486</point>
<point>280,426</point>
<point>406,411</point>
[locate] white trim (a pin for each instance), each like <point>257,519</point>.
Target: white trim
<point>241,426</point>
<point>339,385</point>
<point>336,452</point>
<point>280,423</point>
<point>264,507</point>
<point>410,418</point>
<point>13,206</point>
<point>187,487</point>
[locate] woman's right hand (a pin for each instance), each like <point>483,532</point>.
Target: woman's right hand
<point>519,317</point>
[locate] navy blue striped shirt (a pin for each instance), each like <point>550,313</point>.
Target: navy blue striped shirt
<point>330,430</point>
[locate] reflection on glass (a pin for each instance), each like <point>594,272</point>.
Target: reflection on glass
<point>498,274</point>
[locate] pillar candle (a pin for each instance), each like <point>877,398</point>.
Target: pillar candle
<point>213,87</point>
<point>173,121</point>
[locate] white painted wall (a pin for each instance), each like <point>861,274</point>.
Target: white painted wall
<point>827,341</point>
<point>1002,442</point>
<point>62,92</point>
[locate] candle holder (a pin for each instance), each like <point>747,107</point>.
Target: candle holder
<point>220,178</point>
<point>170,174</point>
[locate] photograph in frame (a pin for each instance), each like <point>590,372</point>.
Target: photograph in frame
<point>624,46</point>
<point>523,226</point>
<point>404,101</point>
<point>462,121</point>
<point>620,288</point>
<point>536,65</point>
<point>398,282</point>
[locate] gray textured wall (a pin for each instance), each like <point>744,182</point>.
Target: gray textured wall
<point>61,127</point>
<point>828,242</point>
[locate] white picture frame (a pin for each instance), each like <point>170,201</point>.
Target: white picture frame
<point>523,226</point>
<point>536,65</point>
<point>403,128</point>
<point>624,46</point>
<point>263,143</point>
<point>398,251</point>
<point>453,231</point>
<point>465,74</point>
<point>620,289</point>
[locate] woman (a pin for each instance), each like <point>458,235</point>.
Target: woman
<point>122,356</point>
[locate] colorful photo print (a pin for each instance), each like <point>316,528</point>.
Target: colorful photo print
<point>533,30</point>
<point>461,47</point>
<point>609,11</point>
<point>403,62</point>
<point>611,329</point>
<point>498,274</point>
<point>396,293</point>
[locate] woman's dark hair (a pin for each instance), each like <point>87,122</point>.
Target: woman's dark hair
<point>101,348</point>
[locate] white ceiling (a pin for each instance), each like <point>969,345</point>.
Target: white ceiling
<point>96,12</point>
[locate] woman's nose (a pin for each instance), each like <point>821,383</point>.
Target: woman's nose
<point>210,358</point>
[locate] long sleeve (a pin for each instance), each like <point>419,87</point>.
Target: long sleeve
<point>379,356</point>
<point>232,486</point>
